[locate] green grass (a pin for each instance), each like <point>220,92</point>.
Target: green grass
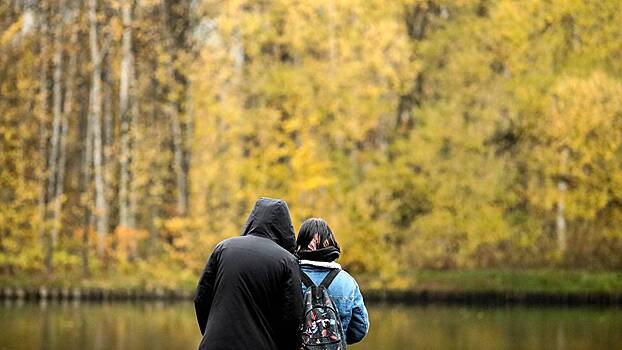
<point>524,281</point>
<point>103,282</point>
<point>518,281</point>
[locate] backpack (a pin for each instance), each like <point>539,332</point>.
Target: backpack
<point>321,328</point>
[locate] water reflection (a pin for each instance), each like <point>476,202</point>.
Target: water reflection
<point>455,327</point>
<point>97,326</point>
<point>158,325</point>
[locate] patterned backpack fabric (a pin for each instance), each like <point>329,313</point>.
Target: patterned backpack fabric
<point>321,329</point>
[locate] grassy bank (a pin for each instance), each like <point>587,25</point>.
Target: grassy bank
<point>494,286</point>
<point>534,281</point>
<point>119,286</point>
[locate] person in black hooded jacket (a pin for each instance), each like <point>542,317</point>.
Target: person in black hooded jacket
<point>249,295</point>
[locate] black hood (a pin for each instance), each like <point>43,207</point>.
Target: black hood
<point>270,219</point>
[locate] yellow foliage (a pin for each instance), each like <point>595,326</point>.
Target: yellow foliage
<point>429,134</point>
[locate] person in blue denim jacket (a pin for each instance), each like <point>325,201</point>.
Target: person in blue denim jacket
<point>317,249</point>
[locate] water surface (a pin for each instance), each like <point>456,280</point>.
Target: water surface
<point>159,325</point>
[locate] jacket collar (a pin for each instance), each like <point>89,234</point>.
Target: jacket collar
<point>328,265</point>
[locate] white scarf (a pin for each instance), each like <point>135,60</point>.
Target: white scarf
<point>328,265</point>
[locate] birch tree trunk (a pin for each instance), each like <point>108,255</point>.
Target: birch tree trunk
<point>176,41</point>
<point>108,126</point>
<point>108,135</point>
<point>43,117</point>
<point>126,216</point>
<point>60,186</point>
<point>132,166</point>
<point>180,171</point>
<point>67,112</point>
<point>86,190</point>
<point>101,206</point>
<point>52,183</point>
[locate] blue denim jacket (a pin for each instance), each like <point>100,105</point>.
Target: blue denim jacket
<point>345,293</point>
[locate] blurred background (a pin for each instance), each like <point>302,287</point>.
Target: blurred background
<point>465,147</point>
<point>466,135</point>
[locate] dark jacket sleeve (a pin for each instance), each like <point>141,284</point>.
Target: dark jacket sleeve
<point>291,305</point>
<point>205,290</point>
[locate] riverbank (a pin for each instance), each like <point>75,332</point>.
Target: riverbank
<point>493,287</point>
<point>497,287</point>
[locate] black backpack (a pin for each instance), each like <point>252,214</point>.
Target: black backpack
<point>321,328</point>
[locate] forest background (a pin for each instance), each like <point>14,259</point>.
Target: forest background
<point>467,135</point>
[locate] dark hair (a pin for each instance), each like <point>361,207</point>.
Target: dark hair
<point>310,228</point>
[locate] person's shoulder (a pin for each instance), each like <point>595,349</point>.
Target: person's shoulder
<point>262,246</point>
<point>227,241</point>
<point>346,274</point>
<point>287,257</point>
<point>286,260</point>
<point>273,249</point>
<point>247,240</point>
<point>347,278</point>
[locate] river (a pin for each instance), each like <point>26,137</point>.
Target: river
<point>160,325</point>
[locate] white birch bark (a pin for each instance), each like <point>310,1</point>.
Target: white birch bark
<point>57,77</point>
<point>101,206</point>
<point>86,191</point>
<point>180,171</point>
<point>66,113</point>
<point>43,124</point>
<point>52,174</point>
<point>125,215</point>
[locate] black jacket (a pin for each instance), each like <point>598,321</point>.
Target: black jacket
<point>249,295</point>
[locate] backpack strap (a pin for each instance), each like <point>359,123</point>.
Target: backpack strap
<point>306,279</point>
<point>329,278</point>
